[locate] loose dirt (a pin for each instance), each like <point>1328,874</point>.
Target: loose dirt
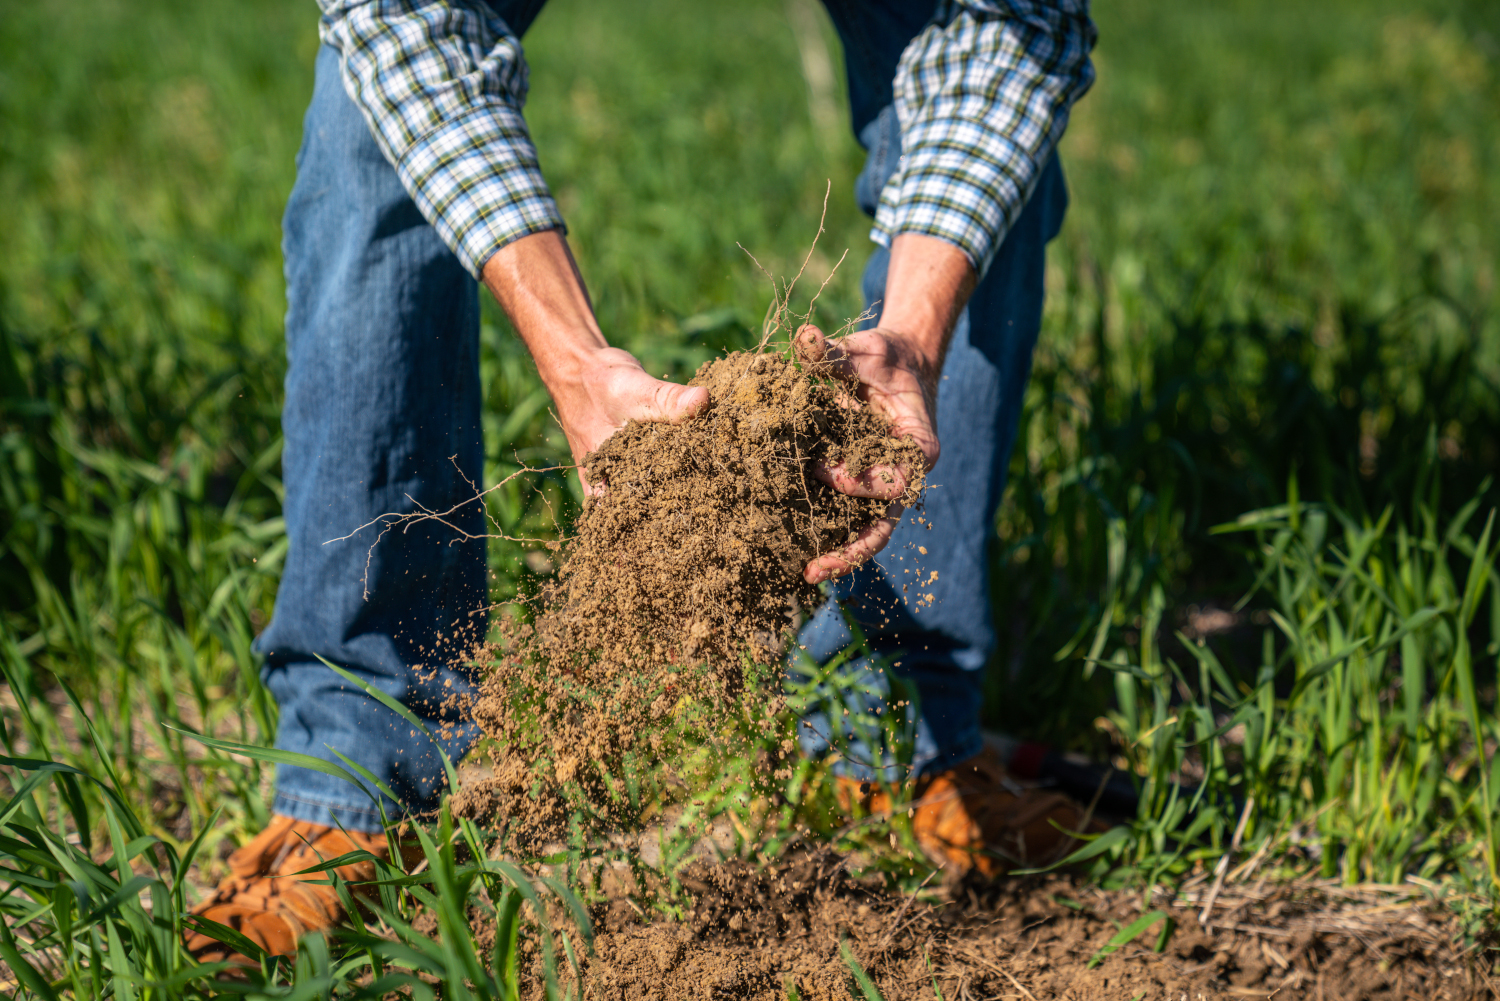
<point>672,605</point>
<point>752,934</point>
<point>667,621</point>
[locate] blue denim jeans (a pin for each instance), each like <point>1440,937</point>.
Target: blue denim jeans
<point>382,415</point>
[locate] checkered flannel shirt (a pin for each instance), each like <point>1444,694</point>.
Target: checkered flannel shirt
<point>982,95</point>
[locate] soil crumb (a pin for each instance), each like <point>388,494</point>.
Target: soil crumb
<point>752,934</point>
<point>675,598</point>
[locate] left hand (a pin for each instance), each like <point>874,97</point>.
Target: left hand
<point>895,379</point>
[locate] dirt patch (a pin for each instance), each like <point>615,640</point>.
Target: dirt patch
<point>674,599</point>
<point>752,934</point>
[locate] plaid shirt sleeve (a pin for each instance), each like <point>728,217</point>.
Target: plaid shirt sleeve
<point>442,84</point>
<point>982,95</point>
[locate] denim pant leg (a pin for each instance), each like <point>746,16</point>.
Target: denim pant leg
<point>939,645</point>
<point>381,415</point>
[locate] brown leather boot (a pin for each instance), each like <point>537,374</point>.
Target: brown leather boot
<point>972,816</point>
<point>263,901</point>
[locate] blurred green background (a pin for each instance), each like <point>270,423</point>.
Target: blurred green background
<point>1281,257</point>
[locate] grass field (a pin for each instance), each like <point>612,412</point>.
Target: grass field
<point>1276,292</point>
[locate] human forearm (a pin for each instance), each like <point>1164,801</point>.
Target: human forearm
<point>928,282</point>
<point>537,283</point>
<point>597,388</point>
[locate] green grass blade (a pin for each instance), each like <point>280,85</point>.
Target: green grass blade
<point>404,713</point>
<point>23,970</point>
<point>866,985</point>
<point>1097,846</point>
<point>937,990</point>
<point>132,823</point>
<point>364,773</point>
<point>505,962</point>
<point>338,862</point>
<point>227,935</point>
<point>130,891</point>
<point>276,755</point>
<point>574,906</point>
<point>119,963</point>
<point>1129,934</point>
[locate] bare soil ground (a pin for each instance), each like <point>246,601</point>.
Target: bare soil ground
<point>753,934</point>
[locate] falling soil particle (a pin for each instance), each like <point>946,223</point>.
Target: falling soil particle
<point>677,593</point>
<point>752,933</point>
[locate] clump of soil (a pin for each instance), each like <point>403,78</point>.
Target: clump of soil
<point>676,594</point>
<point>753,932</point>
<point>697,548</point>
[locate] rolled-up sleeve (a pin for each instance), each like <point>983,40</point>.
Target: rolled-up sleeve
<point>442,84</point>
<point>983,96</point>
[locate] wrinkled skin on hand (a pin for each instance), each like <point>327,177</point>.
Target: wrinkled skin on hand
<point>884,372</point>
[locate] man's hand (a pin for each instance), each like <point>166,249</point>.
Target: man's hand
<point>596,388</point>
<point>882,370</point>
<point>610,388</point>
<point>895,369</point>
